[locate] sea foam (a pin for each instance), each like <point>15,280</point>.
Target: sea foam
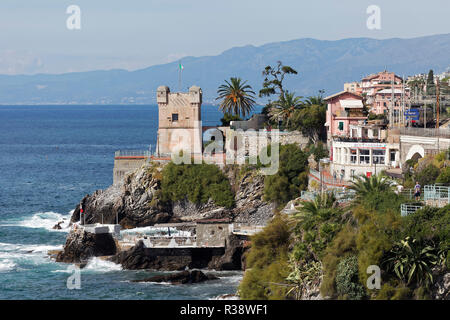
<point>45,220</point>
<point>99,265</point>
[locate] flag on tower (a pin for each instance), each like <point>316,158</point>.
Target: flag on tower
<point>180,66</point>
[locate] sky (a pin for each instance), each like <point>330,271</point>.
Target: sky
<point>135,34</point>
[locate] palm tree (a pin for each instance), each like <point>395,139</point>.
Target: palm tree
<point>364,185</point>
<point>284,108</point>
<point>316,100</point>
<point>237,97</point>
<point>321,201</point>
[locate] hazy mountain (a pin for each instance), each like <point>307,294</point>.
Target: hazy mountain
<point>321,65</point>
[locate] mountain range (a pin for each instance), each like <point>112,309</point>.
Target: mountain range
<point>321,65</point>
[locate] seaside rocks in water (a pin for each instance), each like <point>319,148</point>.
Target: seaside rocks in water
<point>172,259</point>
<point>58,226</point>
<point>233,258</point>
<point>134,202</point>
<point>81,245</point>
<point>183,277</point>
<point>139,257</point>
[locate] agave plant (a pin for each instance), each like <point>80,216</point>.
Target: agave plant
<point>411,261</point>
<point>237,97</point>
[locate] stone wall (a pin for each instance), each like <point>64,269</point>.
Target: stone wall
<point>125,166</point>
<point>212,234</point>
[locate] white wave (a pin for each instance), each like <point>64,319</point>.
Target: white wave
<point>19,254</point>
<point>45,220</point>
<point>41,248</point>
<point>225,297</point>
<point>100,265</point>
<point>6,265</point>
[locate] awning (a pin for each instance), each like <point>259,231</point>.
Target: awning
<point>351,103</point>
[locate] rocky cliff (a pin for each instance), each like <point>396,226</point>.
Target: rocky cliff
<point>136,202</point>
<point>81,245</point>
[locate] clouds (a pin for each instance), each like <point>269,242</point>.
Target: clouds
<point>16,62</point>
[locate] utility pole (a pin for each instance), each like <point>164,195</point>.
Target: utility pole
<point>438,106</point>
<point>402,116</point>
<point>425,115</point>
<point>391,113</point>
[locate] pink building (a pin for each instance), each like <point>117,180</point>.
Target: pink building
<point>383,100</point>
<point>343,109</point>
<point>376,88</point>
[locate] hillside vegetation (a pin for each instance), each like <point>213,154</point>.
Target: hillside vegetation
<point>330,249</point>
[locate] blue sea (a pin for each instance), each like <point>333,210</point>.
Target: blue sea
<point>50,157</point>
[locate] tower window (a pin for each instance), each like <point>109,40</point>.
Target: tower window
<point>174,117</point>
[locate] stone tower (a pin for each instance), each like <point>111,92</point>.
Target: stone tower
<point>179,121</point>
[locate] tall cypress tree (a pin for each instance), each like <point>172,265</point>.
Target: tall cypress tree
<point>431,87</point>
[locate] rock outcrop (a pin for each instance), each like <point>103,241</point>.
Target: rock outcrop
<point>183,277</point>
<point>441,287</point>
<point>250,207</point>
<point>136,202</point>
<point>138,258</point>
<point>233,258</point>
<point>81,245</point>
<point>175,259</point>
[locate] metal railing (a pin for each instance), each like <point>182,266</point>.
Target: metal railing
<point>409,208</point>
<point>308,195</point>
<point>409,194</point>
<point>341,196</point>
<point>426,132</point>
<point>328,180</point>
<point>436,192</point>
<point>132,153</point>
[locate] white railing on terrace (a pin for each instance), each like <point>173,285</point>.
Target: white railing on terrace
<point>409,194</point>
<point>436,192</point>
<point>426,132</point>
<point>409,208</point>
<point>132,153</point>
<point>341,196</point>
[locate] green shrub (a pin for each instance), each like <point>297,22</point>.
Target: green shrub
<point>347,282</point>
<point>291,177</point>
<point>376,235</point>
<point>428,175</point>
<point>267,262</point>
<point>196,182</point>
<point>228,117</point>
<point>394,291</point>
<point>342,245</point>
<point>444,176</point>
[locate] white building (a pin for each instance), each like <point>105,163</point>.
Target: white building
<point>364,152</point>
